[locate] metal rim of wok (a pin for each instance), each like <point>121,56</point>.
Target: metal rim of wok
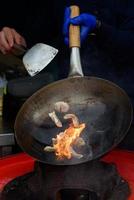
<point>102,105</point>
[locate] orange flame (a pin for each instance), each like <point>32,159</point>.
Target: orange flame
<point>63,141</point>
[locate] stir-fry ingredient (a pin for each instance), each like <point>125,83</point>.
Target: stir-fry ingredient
<point>75,154</point>
<point>79,142</point>
<point>64,141</point>
<point>63,145</point>
<point>61,106</point>
<point>55,119</point>
<point>74,119</point>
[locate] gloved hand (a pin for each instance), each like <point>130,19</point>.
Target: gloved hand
<point>87,23</point>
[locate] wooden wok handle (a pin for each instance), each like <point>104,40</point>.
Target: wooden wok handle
<point>74,31</point>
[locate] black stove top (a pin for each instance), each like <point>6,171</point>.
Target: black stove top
<point>94,180</point>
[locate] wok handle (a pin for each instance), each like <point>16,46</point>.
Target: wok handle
<point>74,31</point>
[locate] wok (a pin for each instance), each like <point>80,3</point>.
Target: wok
<point>104,107</point>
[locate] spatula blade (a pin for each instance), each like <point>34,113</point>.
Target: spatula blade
<point>38,57</point>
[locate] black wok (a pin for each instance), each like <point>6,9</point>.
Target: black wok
<point>103,106</point>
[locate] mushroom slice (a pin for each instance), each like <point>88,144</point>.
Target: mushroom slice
<point>55,119</point>
<point>61,106</point>
<point>74,119</point>
<point>54,141</point>
<point>79,142</point>
<point>75,154</point>
<point>49,149</point>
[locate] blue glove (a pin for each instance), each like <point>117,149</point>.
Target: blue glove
<point>87,23</point>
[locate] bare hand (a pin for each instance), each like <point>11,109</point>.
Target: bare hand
<point>9,37</point>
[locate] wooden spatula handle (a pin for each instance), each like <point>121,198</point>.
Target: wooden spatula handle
<point>74,31</point>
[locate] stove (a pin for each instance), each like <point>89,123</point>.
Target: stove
<point>94,180</point>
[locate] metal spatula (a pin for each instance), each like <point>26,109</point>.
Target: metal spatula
<point>36,58</point>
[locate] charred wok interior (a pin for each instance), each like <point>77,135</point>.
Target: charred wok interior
<point>102,106</point>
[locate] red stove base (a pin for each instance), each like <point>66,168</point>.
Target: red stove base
<point>20,164</point>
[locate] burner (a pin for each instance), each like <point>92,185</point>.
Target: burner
<point>77,194</point>
<point>94,180</point>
